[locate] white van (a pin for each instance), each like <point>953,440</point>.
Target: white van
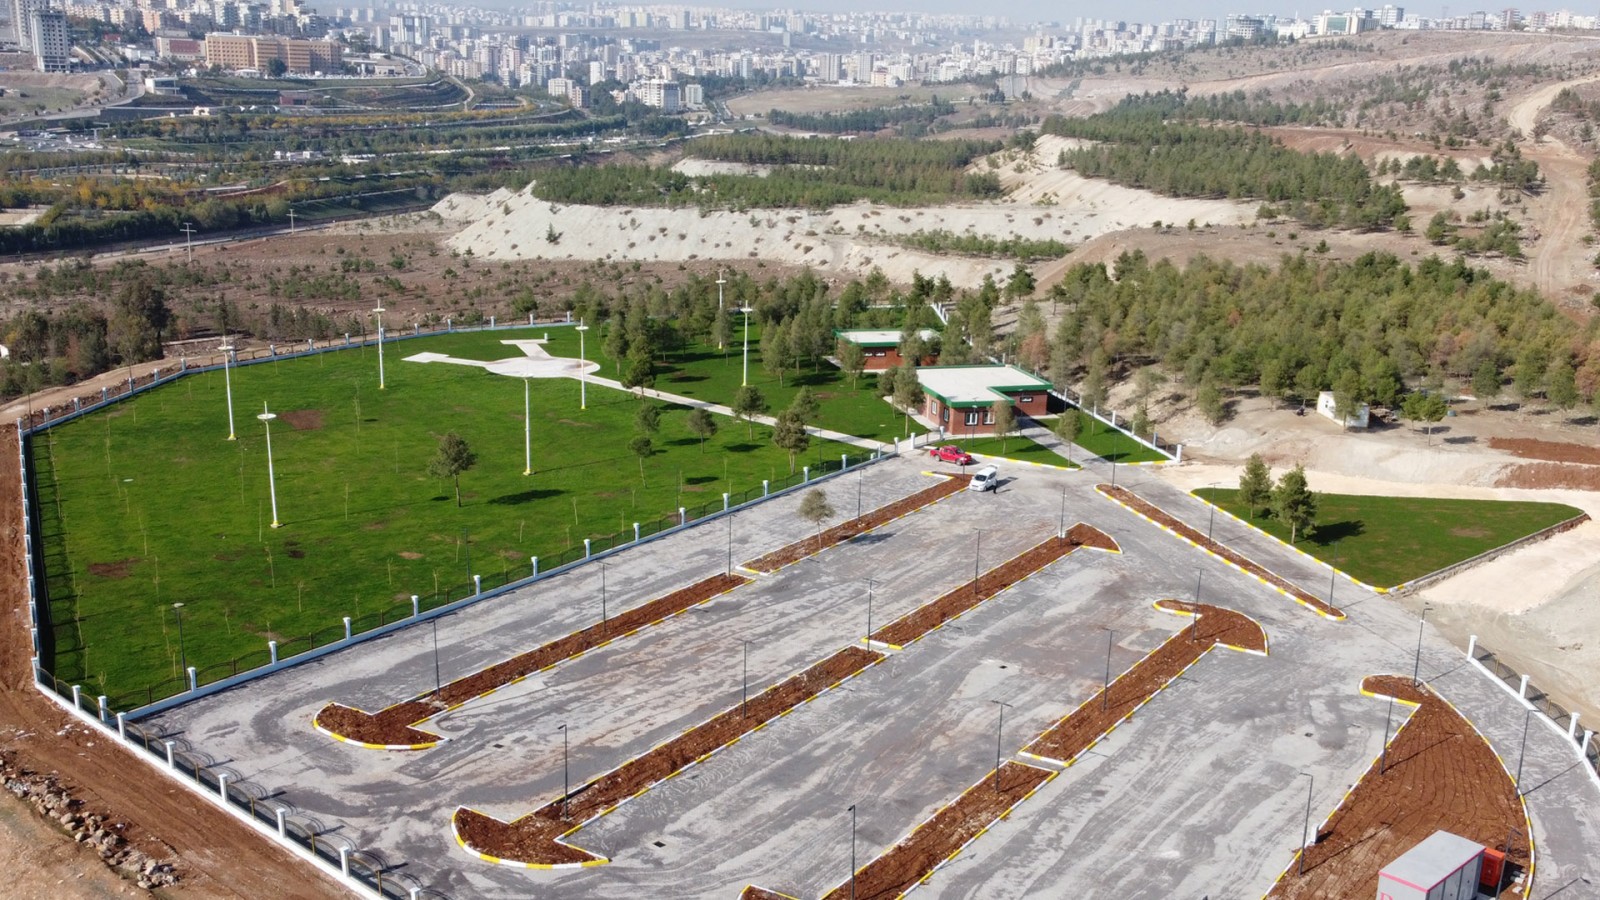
<point>985,479</point>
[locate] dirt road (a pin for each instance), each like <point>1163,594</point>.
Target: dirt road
<point>216,855</point>
<point>1560,261</point>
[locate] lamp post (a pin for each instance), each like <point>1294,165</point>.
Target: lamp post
<point>266,418</point>
<point>1213,520</point>
<point>999,735</point>
<point>852,851</point>
<point>720,282</point>
<point>1333,573</point>
<point>744,703</point>
<point>379,312</point>
<point>183,656</point>
<point>565,790</point>
<point>869,612</point>
<point>1061,531</point>
<point>583,369</point>
<point>861,477</point>
<point>1105,686</point>
<point>1416,668</point>
<point>1194,626</point>
<point>1305,830</point>
<point>603,616</point>
<point>1383,759</point>
<point>745,380</point>
<point>730,546</point>
<point>188,240</point>
<point>438,682</point>
<point>227,381</point>
<point>527,431</point>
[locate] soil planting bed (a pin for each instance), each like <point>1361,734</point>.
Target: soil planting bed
<point>1550,476</point>
<point>1442,775</point>
<point>1554,451</point>
<point>532,838</point>
<point>1065,740</point>
<point>1160,517</point>
<point>860,525</point>
<point>917,623</point>
<point>392,726</point>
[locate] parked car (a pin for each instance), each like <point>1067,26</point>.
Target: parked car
<point>950,453</point>
<point>985,479</point>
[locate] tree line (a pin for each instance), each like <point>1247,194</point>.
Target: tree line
<point>860,121</point>
<point>891,172</point>
<point>1136,145</point>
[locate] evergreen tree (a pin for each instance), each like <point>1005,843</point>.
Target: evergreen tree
<point>451,459</point>
<point>1255,485</point>
<point>703,424</point>
<point>747,404</point>
<point>1294,503</point>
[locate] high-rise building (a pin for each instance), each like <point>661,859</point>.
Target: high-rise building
<point>51,47</point>
<point>22,20</point>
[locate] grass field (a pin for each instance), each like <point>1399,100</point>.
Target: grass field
<point>1385,541</point>
<point>705,373</point>
<point>147,503</point>
<point>1104,441</point>
<point>1015,447</point>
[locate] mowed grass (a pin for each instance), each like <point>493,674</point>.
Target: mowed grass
<point>705,373</point>
<point>1104,441</point>
<point>1385,541</point>
<point>148,504</point>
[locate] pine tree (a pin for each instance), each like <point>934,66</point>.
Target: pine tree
<point>1294,503</point>
<point>1255,485</point>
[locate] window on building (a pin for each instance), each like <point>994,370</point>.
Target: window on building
<point>988,417</point>
<point>944,414</point>
<point>1025,398</point>
<point>972,418</point>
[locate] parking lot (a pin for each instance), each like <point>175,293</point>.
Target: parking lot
<point>1199,794</point>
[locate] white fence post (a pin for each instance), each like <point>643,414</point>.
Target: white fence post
<point>477,584</point>
<point>1522,689</point>
<point>1572,727</point>
<point>77,692</point>
<point>283,826</point>
<point>347,628</point>
<point>272,649</point>
<point>805,474</point>
<point>122,726</point>
<point>636,532</point>
<point>683,516</point>
<point>724,500</point>
<point>170,763</point>
<point>194,683</point>
<point>585,548</point>
<point>1472,646</point>
<point>535,560</point>
<point>222,786</point>
<point>344,860</point>
<point>766,487</point>
<point>102,699</point>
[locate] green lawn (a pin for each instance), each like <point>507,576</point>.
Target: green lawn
<point>1385,541</point>
<point>705,373</point>
<point>1104,441</point>
<point>148,504</point>
<point>1015,447</point>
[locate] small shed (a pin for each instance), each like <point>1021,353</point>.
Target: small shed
<point>1445,866</point>
<point>882,348</point>
<point>1359,419</point>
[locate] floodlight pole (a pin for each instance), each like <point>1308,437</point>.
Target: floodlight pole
<point>869,612</point>
<point>720,282</point>
<point>861,477</point>
<point>583,369</point>
<point>527,431</point>
<point>1333,572</point>
<point>1062,531</point>
<point>999,735</point>
<point>730,546</point>
<point>266,418</point>
<point>227,380</point>
<point>183,656</point>
<point>1210,523</point>
<point>1305,830</point>
<point>1526,717</point>
<point>379,312</point>
<point>745,380</point>
<point>603,616</point>
<point>1383,760</point>
<point>438,682</point>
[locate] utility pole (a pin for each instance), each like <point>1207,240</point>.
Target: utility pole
<point>188,240</point>
<point>291,221</point>
<point>720,282</point>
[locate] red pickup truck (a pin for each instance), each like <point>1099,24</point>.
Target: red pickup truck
<point>950,453</point>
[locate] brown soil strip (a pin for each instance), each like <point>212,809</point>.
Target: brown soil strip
<point>1160,517</point>
<point>1553,451</point>
<point>1550,476</point>
<point>917,623</point>
<point>1098,715</point>
<point>531,839</point>
<point>118,569</point>
<point>303,419</point>
<point>1442,775</point>
<point>844,531</point>
<point>392,727</point>
<point>936,840</point>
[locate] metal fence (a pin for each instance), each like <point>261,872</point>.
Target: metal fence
<point>1542,702</point>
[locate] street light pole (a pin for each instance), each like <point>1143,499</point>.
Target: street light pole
<point>1105,686</point>
<point>188,240</point>
<point>1383,761</point>
<point>1416,668</point>
<point>227,381</point>
<point>1213,520</point>
<point>1061,531</point>
<point>272,479</point>
<point>730,545</point>
<point>861,477</point>
<point>438,682</point>
<point>379,312</point>
<point>745,381</point>
<point>566,790</point>
<point>583,369</point>
<point>1305,830</point>
<point>183,656</point>
<point>999,735</point>
<point>852,851</point>
<point>744,704</point>
<point>603,616</point>
<point>527,431</point>
<point>869,612</point>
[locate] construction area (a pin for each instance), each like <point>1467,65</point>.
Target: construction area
<point>920,697</point>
